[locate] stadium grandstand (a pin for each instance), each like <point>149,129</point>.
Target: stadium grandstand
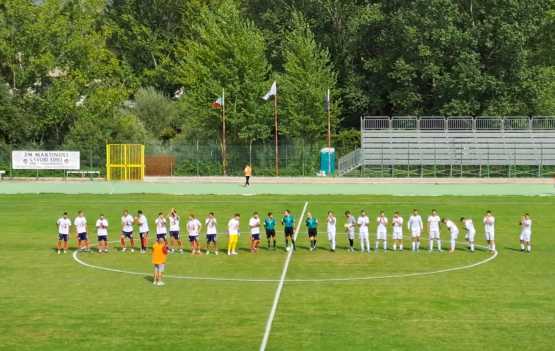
<point>452,146</point>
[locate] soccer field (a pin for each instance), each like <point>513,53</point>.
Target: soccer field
<point>329,301</point>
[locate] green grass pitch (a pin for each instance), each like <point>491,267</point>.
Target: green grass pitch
<point>50,302</point>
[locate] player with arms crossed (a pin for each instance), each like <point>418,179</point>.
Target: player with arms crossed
<point>193,230</point>
<point>489,230</point>
<point>254,225</point>
<point>102,233</point>
<point>433,230</point>
<point>363,221</point>
<point>211,232</point>
<point>63,224</point>
<point>454,232</point>
<point>80,223</point>
<point>142,221</point>
<point>397,223</point>
<point>233,232</point>
<point>416,227</point>
<point>350,225</point>
<point>175,235</point>
<point>381,231</point>
<point>126,231</point>
<point>288,223</point>
<point>470,232</point>
<point>525,233</point>
<point>312,227</point>
<point>270,227</point>
<point>332,229</point>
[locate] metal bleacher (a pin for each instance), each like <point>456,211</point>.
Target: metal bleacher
<point>453,141</point>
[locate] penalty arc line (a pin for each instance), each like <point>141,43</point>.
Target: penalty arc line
<point>270,320</point>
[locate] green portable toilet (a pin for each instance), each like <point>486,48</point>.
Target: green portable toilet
<point>327,161</point>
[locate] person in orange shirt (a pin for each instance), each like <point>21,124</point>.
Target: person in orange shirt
<point>159,256</point>
<point>248,174</point>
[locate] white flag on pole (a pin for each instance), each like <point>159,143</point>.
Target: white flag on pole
<point>272,92</point>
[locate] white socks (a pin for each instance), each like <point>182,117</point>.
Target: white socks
<point>364,244</point>
<point>332,244</point>
<point>529,248</point>
<point>453,243</point>
<point>471,246</point>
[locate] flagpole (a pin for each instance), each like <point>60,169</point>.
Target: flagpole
<point>329,119</point>
<point>276,133</point>
<point>224,151</point>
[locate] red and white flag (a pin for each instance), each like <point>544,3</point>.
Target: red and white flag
<point>219,103</point>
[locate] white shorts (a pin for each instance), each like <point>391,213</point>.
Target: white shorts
<point>454,236</point>
<point>397,234</point>
<point>415,233</point>
<point>490,235</point>
<point>381,235</point>
<point>331,234</point>
<point>525,236</point>
<point>470,236</point>
<point>434,234</point>
<point>351,234</point>
<point>363,234</point>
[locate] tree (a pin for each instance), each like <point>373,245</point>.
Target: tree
<point>307,76</point>
<point>226,52</point>
<point>145,34</point>
<point>56,59</point>
<point>157,112</point>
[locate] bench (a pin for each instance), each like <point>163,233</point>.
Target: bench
<point>84,173</point>
<point>2,174</point>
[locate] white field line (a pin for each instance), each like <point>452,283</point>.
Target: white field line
<point>280,286</point>
<point>261,280</point>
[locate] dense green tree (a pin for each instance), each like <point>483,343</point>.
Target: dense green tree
<point>307,76</point>
<point>226,52</point>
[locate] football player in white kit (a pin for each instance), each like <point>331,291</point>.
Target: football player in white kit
<point>489,230</point>
<point>470,232</point>
<point>254,225</point>
<point>161,229</point>
<point>526,233</point>
<point>80,223</point>
<point>126,231</point>
<point>416,227</point>
<point>175,235</point>
<point>350,224</point>
<point>193,230</point>
<point>142,221</point>
<point>102,233</point>
<point>331,228</point>
<point>362,223</point>
<point>63,224</point>
<point>211,232</point>
<point>453,230</point>
<point>381,231</point>
<point>397,222</point>
<point>433,230</point>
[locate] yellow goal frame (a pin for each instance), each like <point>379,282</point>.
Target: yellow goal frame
<point>125,162</point>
